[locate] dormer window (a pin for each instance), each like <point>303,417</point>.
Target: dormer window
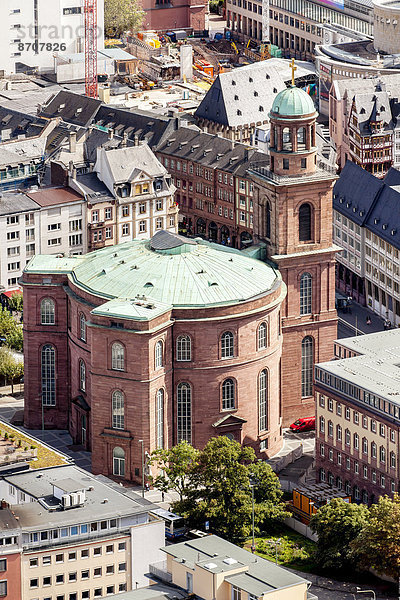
<point>123,191</point>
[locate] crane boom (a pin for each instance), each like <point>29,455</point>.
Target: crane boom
<point>90,10</point>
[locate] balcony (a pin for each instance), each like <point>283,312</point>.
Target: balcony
<point>10,174</point>
<point>159,570</point>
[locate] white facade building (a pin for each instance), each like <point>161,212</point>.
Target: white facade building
<point>51,221</point>
<point>33,31</point>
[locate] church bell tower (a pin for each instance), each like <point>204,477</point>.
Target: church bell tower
<point>294,219</point>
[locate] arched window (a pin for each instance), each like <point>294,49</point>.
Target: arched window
<point>322,424</point>
<point>118,357</point>
<point>263,400</point>
<point>160,419</point>
<point>382,454</point>
<point>183,348</point>
<point>305,223</point>
<point>392,460</point>
<point>201,226</point>
<point>301,138</point>
<point>356,441</point>
<point>48,373</point>
<point>262,336</point>
<point>307,355</point>
<point>268,220</point>
<point>47,312</point>
<point>118,462</point>
<point>228,394</point>
<point>286,139</point>
<point>118,410</point>
<point>338,433</point>
<point>82,327</point>
<point>305,294</point>
<point>158,355</point>
<point>184,412</point>
<point>373,450</point>
<point>82,376</point>
<point>227,345</point>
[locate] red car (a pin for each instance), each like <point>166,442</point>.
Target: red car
<point>305,424</point>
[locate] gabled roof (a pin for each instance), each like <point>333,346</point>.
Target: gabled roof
<point>235,98</point>
<point>372,107</point>
<point>72,108</point>
<point>355,193</point>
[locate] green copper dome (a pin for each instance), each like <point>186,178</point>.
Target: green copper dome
<point>292,102</point>
<point>169,269</point>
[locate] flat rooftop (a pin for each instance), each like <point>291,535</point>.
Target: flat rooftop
<point>216,555</point>
<point>103,501</point>
<point>376,368</point>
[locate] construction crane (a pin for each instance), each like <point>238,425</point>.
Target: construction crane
<point>90,11</point>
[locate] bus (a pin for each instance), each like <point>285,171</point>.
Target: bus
<point>174,524</point>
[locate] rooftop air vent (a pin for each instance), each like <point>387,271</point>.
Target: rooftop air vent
<point>229,561</point>
<point>210,565</point>
<point>394,231</point>
<point>376,221</point>
<point>348,204</point>
<point>341,200</point>
<point>385,226</point>
<point>362,213</point>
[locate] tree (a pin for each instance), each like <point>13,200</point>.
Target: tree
<point>216,488</point>
<point>378,544</point>
<point>10,330</point>
<point>121,16</point>
<point>337,524</point>
<point>16,302</point>
<point>10,367</point>
<point>173,466</point>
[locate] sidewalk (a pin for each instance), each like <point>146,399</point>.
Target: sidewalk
<point>357,320</point>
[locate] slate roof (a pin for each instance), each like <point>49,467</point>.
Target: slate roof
<point>355,193</point>
<point>147,126</point>
<point>373,106</point>
<point>18,123</point>
<point>12,203</point>
<point>93,189</point>
<point>384,218</point>
<point>72,108</point>
<point>126,164</point>
<point>392,177</point>
<point>210,150</point>
<point>235,98</point>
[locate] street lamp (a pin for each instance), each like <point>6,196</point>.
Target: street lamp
<point>141,442</point>
<point>252,483</point>
<point>360,591</point>
<point>276,549</point>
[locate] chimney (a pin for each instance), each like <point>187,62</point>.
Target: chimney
<point>110,133</point>
<point>177,123</point>
<point>72,170</point>
<point>124,141</point>
<point>72,142</point>
<point>136,139</point>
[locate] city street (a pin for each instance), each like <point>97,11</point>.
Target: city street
<point>354,322</point>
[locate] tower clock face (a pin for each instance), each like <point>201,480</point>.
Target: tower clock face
<point>327,38</point>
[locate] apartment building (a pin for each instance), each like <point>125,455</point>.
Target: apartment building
<point>31,31</point>
<point>142,196</point>
<point>68,535</point>
<point>45,221</point>
<point>213,190</point>
<point>366,227</point>
<point>358,416</point>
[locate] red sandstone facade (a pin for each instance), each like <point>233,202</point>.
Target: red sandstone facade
<point>86,410</point>
<point>293,216</point>
<point>10,575</point>
<point>167,15</point>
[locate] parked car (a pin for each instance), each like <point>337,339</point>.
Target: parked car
<point>305,424</point>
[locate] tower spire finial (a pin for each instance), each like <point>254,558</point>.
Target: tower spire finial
<point>294,68</point>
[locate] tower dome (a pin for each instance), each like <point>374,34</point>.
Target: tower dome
<point>292,102</point>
